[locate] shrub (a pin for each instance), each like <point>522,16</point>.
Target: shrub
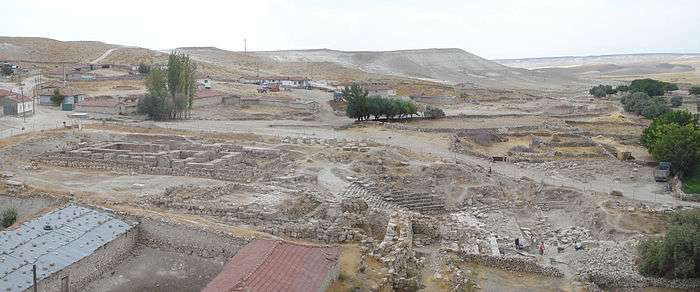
<point>694,90</point>
<point>676,101</point>
<point>144,69</point>
<point>9,216</point>
<point>622,88</point>
<point>433,112</point>
<point>602,90</point>
<point>642,104</point>
<point>677,255</point>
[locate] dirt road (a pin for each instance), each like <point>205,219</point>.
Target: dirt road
<point>103,56</point>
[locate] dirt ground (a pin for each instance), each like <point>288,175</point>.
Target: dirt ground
<point>149,269</point>
<point>119,187</point>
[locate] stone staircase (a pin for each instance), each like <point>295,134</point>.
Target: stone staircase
<point>418,202</point>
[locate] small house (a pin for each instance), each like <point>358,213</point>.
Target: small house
<point>121,106</point>
<point>380,90</point>
<point>46,93</point>
<point>286,81</point>
<point>16,104</point>
<point>207,97</point>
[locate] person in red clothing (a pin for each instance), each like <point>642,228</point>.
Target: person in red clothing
<point>541,247</point>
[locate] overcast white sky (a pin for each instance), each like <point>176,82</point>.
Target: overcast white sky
<point>492,29</point>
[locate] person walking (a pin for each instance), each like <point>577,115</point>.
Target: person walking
<point>541,247</point>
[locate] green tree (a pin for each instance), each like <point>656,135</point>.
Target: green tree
<point>622,88</point>
<point>661,137</point>
<point>181,83</point>
<point>677,254</point>
<point>651,87</point>
<point>56,97</point>
<point>170,93</point>
<point>155,104</point>
<point>356,97</point>
<point>602,90</point>
<point>677,144</point>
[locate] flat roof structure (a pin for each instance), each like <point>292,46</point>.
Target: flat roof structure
<point>52,242</point>
<point>274,265</point>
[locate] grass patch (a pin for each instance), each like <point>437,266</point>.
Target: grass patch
<point>691,182</point>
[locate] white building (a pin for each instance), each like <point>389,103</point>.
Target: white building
<point>380,90</point>
<point>288,81</point>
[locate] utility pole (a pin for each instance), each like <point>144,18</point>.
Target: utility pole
<point>245,46</point>
<point>21,101</point>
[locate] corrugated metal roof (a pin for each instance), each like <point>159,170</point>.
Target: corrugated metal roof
<point>76,232</point>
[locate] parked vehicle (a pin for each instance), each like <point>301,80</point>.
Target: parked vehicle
<point>662,172</point>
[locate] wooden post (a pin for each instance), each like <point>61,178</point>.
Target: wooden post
<point>34,276</point>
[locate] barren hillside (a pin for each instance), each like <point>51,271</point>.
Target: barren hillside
<point>680,68</point>
<point>47,50</point>
<point>453,66</point>
<point>234,64</point>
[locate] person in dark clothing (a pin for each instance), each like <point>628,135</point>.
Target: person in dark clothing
<point>517,243</point>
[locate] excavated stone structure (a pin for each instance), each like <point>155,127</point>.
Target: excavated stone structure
<point>179,157</point>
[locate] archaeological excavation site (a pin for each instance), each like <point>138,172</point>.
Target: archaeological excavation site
<point>224,158</point>
<point>129,208</point>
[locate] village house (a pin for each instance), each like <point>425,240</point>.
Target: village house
<point>15,103</point>
<point>373,88</point>
<point>66,91</point>
<point>111,106</point>
<point>4,96</point>
<point>285,81</point>
<point>380,90</point>
<point>208,97</point>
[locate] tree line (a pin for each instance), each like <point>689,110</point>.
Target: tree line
<point>362,107</point>
<point>649,86</point>
<point>171,91</point>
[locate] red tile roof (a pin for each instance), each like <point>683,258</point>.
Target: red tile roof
<point>19,98</point>
<point>273,265</point>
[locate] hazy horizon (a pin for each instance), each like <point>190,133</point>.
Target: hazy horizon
<point>507,29</point>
